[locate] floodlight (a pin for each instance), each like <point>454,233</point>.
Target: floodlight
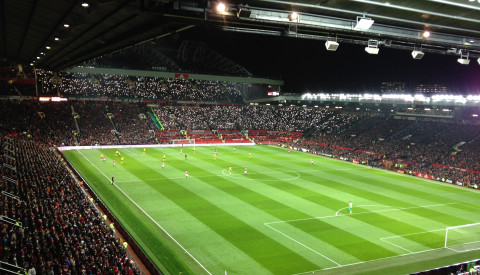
<point>417,54</point>
<point>293,16</point>
<point>221,7</point>
<point>363,23</point>
<point>331,45</point>
<point>426,34</point>
<point>463,61</point>
<point>463,58</point>
<point>85,5</point>
<point>478,60</point>
<point>372,47</point>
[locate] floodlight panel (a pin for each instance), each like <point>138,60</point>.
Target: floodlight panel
<point>417,54</point>
<point>463,61</point>
<point>372,50</point>
<point>363,24</point>
<point>331,45</point>
<point>478,60</point>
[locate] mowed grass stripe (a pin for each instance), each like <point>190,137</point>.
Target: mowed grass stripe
<point>344,240</point>
<point>385,222</point>
<point>391,186</point>
<point>407,228</point>
<point>266,200</point>
<point>272,255</point>
<point>405,195</point>
<point>262,202</point>
<point>308,180</point>
<point>131,218</point>
<point>211,249</point>
<point>370,245</point>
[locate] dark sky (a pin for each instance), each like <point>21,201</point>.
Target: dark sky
<point>306,65</point>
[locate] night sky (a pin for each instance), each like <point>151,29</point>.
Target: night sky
<point>305,65</point>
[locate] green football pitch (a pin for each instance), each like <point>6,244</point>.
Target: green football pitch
<point>286,216</point>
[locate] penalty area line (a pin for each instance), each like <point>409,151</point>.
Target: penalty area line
<point>307,247</point>
<point>163,229</point>
<point>364,213</point>
<point>376,205</point>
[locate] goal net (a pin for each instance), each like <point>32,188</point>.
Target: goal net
<point>185,142</point>
<point>467,235</point>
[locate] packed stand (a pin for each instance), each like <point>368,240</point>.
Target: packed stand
<point>424,147</point>
<point>240,118</point>
<point>123,86</point>
<point>55,229</point>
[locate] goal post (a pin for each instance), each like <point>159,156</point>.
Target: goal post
<point>462,234</point>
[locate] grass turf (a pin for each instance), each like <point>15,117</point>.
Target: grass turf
<point>287,216</point>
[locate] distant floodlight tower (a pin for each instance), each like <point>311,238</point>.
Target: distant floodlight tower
<point>426,34</point>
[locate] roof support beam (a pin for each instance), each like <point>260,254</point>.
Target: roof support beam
<point>91,41</point>
<point>93,25</point>
<point>27,28</point>
<point>70,10</point>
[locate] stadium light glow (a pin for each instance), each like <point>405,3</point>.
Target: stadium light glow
<point>221,7</point>
<point>475,115</point>
<point>293,16</point>
<point>363,23</point>
<point>85,5</point>
<point>426,34</point>
<point>66,25</point>
<point>48,47</point>
<point>56,38</point>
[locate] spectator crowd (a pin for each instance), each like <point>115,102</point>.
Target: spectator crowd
<point>49,225</point>
<point>113,86</point>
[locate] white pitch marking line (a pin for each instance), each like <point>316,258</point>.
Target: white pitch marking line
<point>336,214</point>
<point>378,211</point>
<point>396,256</point>
<point>311,249</point>
<point>397,236</point>
<point>466,250</point>
<point>168,234</point>
<point>395,245</point>
<point>369,261</point>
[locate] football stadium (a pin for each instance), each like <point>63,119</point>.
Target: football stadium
<point>229,137</point>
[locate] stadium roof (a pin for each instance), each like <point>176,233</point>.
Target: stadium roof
<point>27,28</point>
